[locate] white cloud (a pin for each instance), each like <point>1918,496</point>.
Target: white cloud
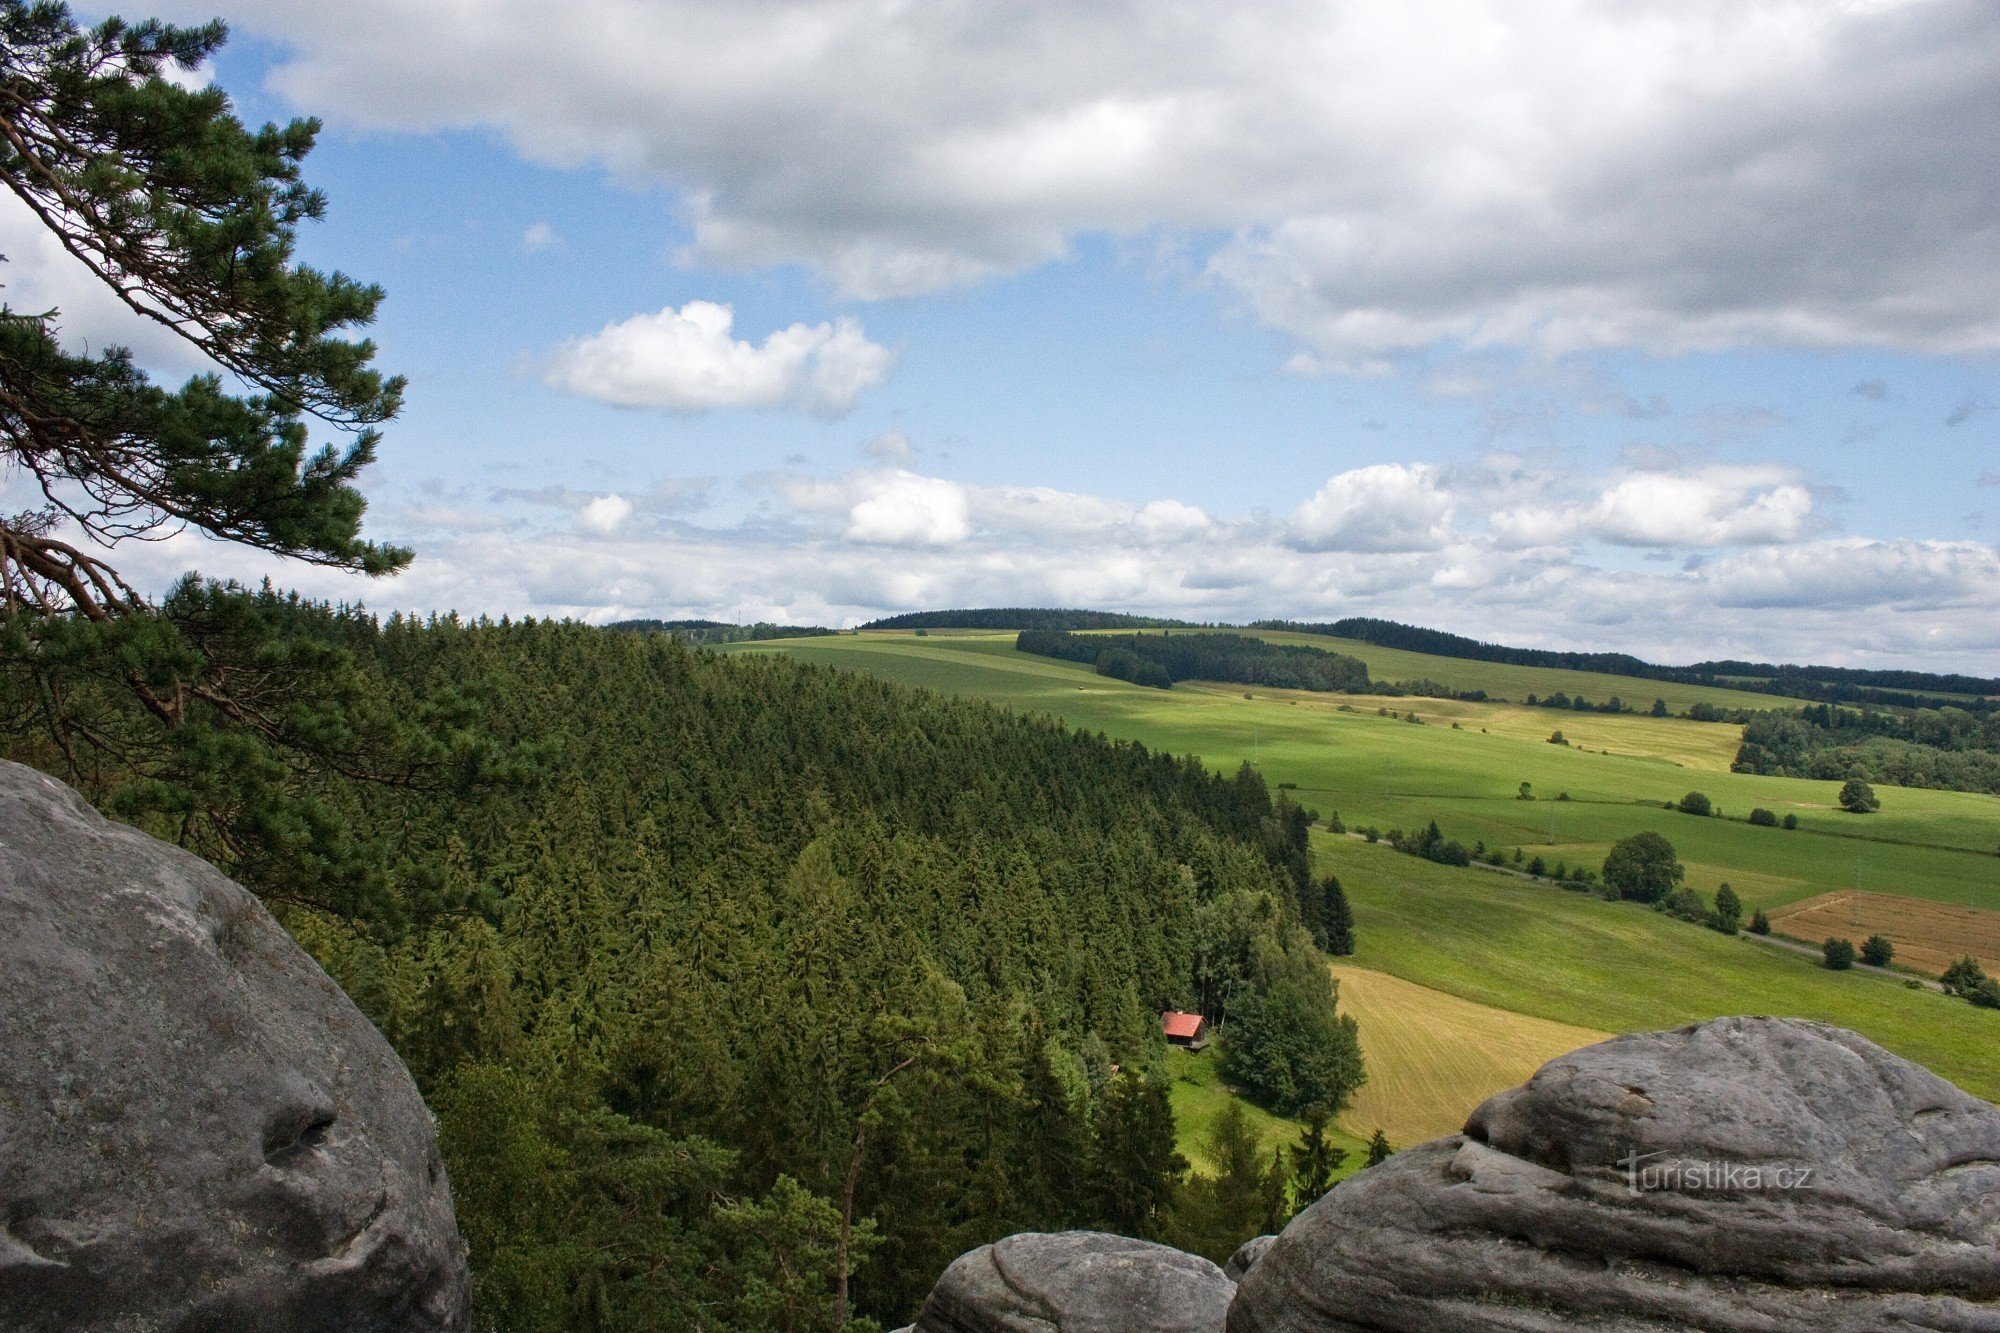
<point>1715,507</point>
<point>872,543</point>
<point>538,237</point>
<point>39,276</point>
<point>1557,173</point>
<point>1857,572</point>
<point>687,361</point>
<point>903,509</point>
<point>1383,507</point>
<point>604,514</point>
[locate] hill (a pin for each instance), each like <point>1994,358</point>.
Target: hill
<point>1820,684</point>
<point>730,907</point>
<point>1022,617</point>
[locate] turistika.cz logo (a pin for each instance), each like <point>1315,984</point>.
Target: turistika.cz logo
<point>1645,1175</point>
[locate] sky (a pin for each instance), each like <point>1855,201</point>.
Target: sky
<point>1662,327</point>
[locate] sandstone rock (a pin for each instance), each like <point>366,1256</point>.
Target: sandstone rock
<point>1247,1254</point>
<point>198,1130</point>
<point>1077,1282</point>
<point>1748,1173</point>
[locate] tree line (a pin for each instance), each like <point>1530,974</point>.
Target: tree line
<point>1161,659</point>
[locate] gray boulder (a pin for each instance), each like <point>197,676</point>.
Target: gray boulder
<point>1749,1173</point>
<point>1247,1254</point>
<point>1077,1282</point>
<point>198,1130</point>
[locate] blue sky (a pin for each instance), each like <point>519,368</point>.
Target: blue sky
<point>1667,329</point>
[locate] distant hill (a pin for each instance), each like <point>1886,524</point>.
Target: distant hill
<point>1023,617</point>
<point>1819,684</point>
<point>718,631</point>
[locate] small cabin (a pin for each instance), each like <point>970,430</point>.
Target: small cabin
<point>1189,1030</point>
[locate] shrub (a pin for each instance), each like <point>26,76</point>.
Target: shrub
<point>1695,803</point>
<point>1642,867</point>
<point>1877,951</point>
<point>1527,792</point>
<point>1538,867</point>
<point>1986,994</point>
<point>1333,824</point>
<point>1372,833</point>
<point>1857,797</point>
<point>1684,903</point>
<point>1558,739</point>
<point>1763,818</point>
<point>1791,821</point>
<point>1759,923</point>
<point>1963,977</point>
<point>1838,954</point>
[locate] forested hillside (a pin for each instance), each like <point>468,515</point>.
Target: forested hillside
<point>728,941</point>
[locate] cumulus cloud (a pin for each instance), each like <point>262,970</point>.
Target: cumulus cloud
<point>904,509</point>
<point>687,360</point>
<point>1714,507</point>
<point>1772,171</point>
<point>604,514</point>
<point>1383,507</point>
<point>871,543</point>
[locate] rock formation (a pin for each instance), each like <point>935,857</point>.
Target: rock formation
<point>1748,1173</point>
<point>198,1130</point>
<point>1077,1282</point>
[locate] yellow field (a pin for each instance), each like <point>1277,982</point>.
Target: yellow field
<point>1432,1057</point>
<point>1928,936</point>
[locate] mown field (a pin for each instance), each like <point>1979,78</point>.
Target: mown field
<point>1432,1056</point>
<point>1495,940</point>
<point>1928,937</point>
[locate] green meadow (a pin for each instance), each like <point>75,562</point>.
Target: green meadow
<point>1340,753</point>
<point>1500,940</point>
<point>1571,957</point>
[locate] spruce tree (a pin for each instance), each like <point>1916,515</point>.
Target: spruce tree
<point>1338,917</point>
<point>1379,1150</point>
<point>1314,1161</point>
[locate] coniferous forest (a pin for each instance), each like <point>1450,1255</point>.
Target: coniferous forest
<point>717,968</point>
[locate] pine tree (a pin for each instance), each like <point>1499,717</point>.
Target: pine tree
<point>1378,1149</point>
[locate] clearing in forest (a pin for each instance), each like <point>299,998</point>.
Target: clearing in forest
<point>1432,1057</point>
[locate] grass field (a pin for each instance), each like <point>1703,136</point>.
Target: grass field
<point>1616,967</point>
<point>1516,683</point>
<point>1432,1056</point>
<point>1341,755</point>
<point>1928,937</point>
<point>1199,1096</point>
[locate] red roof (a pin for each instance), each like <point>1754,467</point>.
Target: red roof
<point>1177,1024</point>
